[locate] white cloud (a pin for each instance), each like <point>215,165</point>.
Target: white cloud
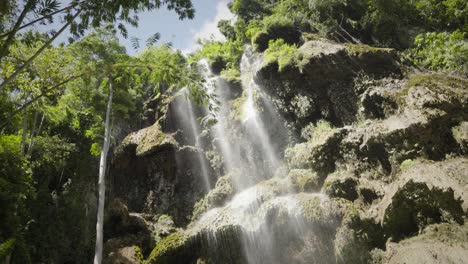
<point>209,29</point>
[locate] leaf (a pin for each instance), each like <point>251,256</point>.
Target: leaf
<point>135,42</point>
<point>153,39</point>
<point>48,6</point>
<point>123,30</point>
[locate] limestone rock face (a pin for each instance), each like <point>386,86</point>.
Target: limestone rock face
<point>442,243</point>
<point>383,179</point>
<point>152,174</point>
<point>324,79</point>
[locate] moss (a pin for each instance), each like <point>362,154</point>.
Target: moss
<point>223,190</point>
<point>299,156</point>
<point>139,254</point>
<point>260,41</point>
<point>304,180</point>
<point>434,81</point>
<point>145,141</point>
<point>408,163</point>
<point>312,209</point>
<point>437,83</point>
<point>168,245</point>
<point>275,28</point>
<point>358,49</point>
<point>318,133</point>
<point>153,139</point>
<point>310,36</point>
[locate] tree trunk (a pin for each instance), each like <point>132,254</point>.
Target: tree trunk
<point>102,185</point>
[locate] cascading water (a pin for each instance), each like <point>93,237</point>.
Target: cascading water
<point>186,121</point>
<point>241,135</point>
<point>250,136</point>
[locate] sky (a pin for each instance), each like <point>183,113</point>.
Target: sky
<point>183,34</point>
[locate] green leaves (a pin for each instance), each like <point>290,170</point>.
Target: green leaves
<point>441,51</point>
<point>153,39</point>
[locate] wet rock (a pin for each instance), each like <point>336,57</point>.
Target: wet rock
<point>297,227</point>
<point>378,100</point>
<point>123,231</point>
<point>223,190</point>
<point>320,156</point>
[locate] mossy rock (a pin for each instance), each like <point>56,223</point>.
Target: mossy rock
<point>303,180</point>
<point>444,92</point>
<point>260,41</point>
<point>416,205</point>
<point>170,248</point>
<point>361,49</point>
<point>223,190</point>
<point>341,186</point>
<point>146,141</point>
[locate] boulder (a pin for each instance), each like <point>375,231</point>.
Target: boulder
<point>426,193</point>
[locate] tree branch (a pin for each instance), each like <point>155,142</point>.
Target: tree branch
<point>37,20</point>
<point>30,60</point>
<point>12,33</point>
<point>30,102</point>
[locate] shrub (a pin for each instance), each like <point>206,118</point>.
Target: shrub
<point>221,55</point>
<point>441,51</point>
<point>276,27</point>
<point>282,53</point>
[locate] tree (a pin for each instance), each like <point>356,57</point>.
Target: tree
<point>91,13</point>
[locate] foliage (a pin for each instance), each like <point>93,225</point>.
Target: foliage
<point>280,52</point>
<point>227,29</point>
<point>441,51</point>
<point>275,27</point>
<point>15,190</point>
<point>221,55</point>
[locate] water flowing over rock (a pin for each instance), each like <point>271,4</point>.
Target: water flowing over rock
<point>380,174</point>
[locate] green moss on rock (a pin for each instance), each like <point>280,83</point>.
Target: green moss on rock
<point>223,190</point>
<point>359,49</point>
<point>303,180</point>
<point>166,247</point>
<point>146,141</point>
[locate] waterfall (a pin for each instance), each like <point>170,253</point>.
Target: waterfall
<point>186,119</point>
<point>250,136</point>
<point>245,141</point>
